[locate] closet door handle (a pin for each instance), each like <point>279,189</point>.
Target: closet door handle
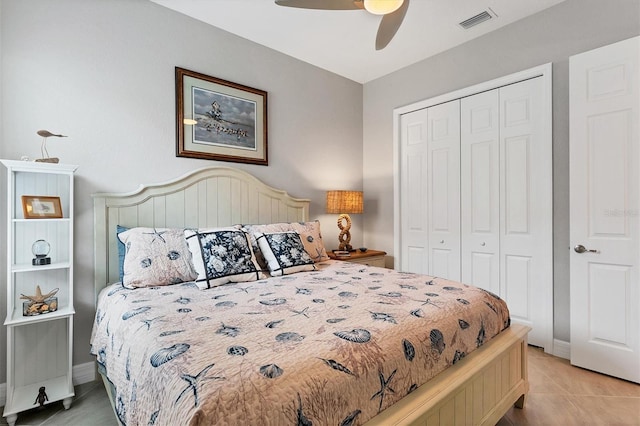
<point>483,244</point>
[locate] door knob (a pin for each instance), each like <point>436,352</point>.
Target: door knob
<point>582,249</point>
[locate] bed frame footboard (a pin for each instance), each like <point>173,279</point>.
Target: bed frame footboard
<point>479,390</point>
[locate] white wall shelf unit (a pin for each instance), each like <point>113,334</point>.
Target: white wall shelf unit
<point>39,347</point>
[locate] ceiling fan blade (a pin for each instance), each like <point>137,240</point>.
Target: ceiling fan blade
<point>389,25</point>
<point>321,4</point>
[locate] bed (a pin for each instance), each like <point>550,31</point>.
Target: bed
<point>235,353</point>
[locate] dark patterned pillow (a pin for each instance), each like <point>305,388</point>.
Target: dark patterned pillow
<point>309,234</point>
<point>284,253</point>
<point>222,255</point>
<point>155,257</point>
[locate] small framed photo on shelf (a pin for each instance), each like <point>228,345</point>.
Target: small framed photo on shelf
<point>41,207</point>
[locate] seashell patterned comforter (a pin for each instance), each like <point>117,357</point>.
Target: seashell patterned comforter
<point>330,347</point>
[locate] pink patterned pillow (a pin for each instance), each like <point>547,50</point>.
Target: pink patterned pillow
<point>156,257</point>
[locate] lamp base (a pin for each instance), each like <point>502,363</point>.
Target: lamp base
<point>41,260</point>
<point>345,236</point>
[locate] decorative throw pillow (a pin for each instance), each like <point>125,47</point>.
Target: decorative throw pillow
<point>222,255</point>
<point>155,257</point>
<point>311,239</point>
<point>284,253</point>
<point>309,234</point>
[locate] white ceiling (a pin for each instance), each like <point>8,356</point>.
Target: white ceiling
<point>343,41</point>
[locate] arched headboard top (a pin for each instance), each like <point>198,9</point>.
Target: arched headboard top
<point>207,197</point>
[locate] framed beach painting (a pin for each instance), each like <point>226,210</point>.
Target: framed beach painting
<point>220,120</point>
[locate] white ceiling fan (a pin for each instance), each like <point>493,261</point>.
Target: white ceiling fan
<point>392,12</point>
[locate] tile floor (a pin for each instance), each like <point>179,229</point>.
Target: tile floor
<point>560,395</point>
<point>563,395</point>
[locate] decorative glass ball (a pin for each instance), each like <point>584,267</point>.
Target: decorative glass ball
<point>40,248</point>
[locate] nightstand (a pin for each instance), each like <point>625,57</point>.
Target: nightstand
<point>369,257</point>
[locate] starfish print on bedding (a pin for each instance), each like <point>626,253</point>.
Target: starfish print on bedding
<point>302,312</point>
<point>384,387</point>
<point>148,322</point>
<point>427,302</point>
<point>194,383</point>
<point>157,234</point>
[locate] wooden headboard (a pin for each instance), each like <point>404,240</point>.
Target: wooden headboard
<point>207,197</point>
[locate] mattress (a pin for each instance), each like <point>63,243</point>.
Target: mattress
<point>334,346</point>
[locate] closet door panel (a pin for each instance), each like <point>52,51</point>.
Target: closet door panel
<point>479,187</point>
<point>414,234</point>
<point>525,205</point>
<point>443,200</point>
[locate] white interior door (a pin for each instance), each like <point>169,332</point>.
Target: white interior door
<point>480,196</point>
<point>443,156</point>
<point>605,210</point>
<point>526,247</point>
<point>413,194</point>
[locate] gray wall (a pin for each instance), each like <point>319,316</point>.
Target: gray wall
<point>549,36</point>
<point>102,72</point>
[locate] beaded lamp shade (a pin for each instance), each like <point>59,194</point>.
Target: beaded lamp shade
<point>344,203</point>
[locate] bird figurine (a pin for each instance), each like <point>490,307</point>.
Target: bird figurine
<point>43,148</point>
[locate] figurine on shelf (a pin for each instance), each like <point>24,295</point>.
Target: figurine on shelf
<point>42,397</point>
<point>43,148</point>
<point>39,303</point>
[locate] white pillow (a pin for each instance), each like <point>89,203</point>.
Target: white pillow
<point>222,255</point>
<point>284,253</point>
<point>155,257</point>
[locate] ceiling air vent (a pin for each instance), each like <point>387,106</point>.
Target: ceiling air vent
<point>475,20</point>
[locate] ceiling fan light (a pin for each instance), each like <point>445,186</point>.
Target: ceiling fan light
<point>382,7</point>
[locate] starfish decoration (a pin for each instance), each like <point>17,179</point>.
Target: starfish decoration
<point>194,383</point>
<point>157,234</point>
<point>39,297</point>
<point>384,386</point>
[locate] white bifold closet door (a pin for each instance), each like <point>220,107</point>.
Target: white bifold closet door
<point>413,174</point>
<point>443,195</point>
<point>431,191</point>
<point>526,197</point>
<point>505,199</point>
<point>480,191</point>
<point>476,196</point>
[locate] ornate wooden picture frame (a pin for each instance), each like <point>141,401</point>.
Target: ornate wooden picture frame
<point>220,120</point>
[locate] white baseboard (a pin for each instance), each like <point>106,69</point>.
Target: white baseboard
<point>82,373</point>
<point>561,349</point>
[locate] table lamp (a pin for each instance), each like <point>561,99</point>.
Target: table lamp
<point>344,203</point>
